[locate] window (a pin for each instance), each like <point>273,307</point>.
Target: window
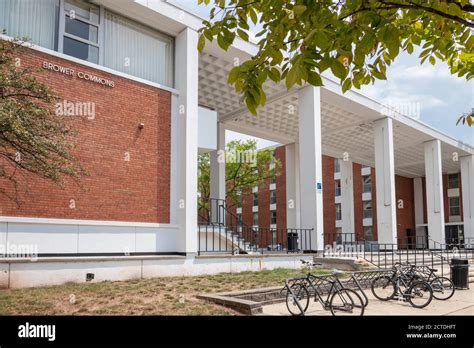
<point>89,32</point>
<point>33,20</point>
<point>239,218</point>
<point>255,199</point>
<point>255,219</point>
<point>338,212</point>
<point>238,195</point>
<point>366,184</point>
<point>273,217</point>
<point>368,233</point>
<point>273,179</point>
<point>81,30</point>
<point>272,159</point>
<point>274,237</point>
<point>338,187</point>
<point>273,197</point>
<point>453,181</point>
<point>337,165</point>
<point>454,206</point>
<point>338,235</point>
<point>367,209</point>
<point>137,50</point>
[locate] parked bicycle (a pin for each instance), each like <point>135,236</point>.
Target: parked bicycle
<point>443,287</point>
<point>340,300</point>
<point>401,285</point>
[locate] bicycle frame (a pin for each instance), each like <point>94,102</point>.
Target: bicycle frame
<point>335,286</point>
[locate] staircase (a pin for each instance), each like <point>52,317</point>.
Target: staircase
<point>219,230</point>
<point>220,238</point>
<point>223,231</point>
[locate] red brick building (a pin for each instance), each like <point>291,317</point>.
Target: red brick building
<point>266,206</point>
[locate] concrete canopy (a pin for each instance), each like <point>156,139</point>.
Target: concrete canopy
<point>346,125</point>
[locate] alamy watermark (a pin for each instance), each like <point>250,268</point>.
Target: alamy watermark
<point>393,109</point>
<point>248,156</point>
<point>81,109</point>
<point>10,250</point>
<point>342,249</point>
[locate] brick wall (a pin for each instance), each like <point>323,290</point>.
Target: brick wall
<point>445,198</point>
<point>329,194</point>
<point>405,206</point>
<point>404,191</point>
<point>136,190</point>
<point>358,210</point>
<point>280,154</point>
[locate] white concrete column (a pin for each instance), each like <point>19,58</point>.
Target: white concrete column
<point>419,208</point>
<point>434,190</point>
<point>347,197</point>
<point>467,183</point>
<point>217,172</point>
<point>310,157</point>
<point>292,186</point>
<point>187,128</point>
<point>385,181</point>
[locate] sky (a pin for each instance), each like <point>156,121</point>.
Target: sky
<point>429,93</point>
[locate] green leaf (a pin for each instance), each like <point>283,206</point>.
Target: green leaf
<point>253,15</point>
<point>321,40</point>
<point>201,43</point>
<point>223,42</point>
<point>346,85</point>
<point>243,35</point>
<point>432,60</point>
<point>291,77</point>
<point>314,78</point>
<point>274,74</point>
<point>338,69</point>
<point>378,74</point>
<point>299,9</point>
<point>233,75</point>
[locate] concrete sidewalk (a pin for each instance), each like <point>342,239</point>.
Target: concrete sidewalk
<point>462,303</point>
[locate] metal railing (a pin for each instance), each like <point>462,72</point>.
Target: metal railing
<point>221,231</point>
<point>416,250</point>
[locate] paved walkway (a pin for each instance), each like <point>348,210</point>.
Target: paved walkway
<point>462,303</point>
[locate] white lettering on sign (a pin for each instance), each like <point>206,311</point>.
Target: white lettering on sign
<point>81,75</point>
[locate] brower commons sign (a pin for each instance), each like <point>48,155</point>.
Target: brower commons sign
<point>79,74</point>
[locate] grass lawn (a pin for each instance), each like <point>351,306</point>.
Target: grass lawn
<point>157,296</point>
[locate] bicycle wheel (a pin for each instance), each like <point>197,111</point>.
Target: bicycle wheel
<point>443,288</point>
<point>420,294</point>
<point>346,302</point>
<point>383,288</point>
<point>301,297</point>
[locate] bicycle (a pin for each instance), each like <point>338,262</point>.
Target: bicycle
<point>443,287</point>
<point>417,292</point>
<point>339,300</point>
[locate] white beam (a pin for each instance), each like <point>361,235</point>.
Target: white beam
<point>217,172</point>
<point>292,186</point>
<point>347,196</point>
<point>467,183</point>
<point>241,127</point>
<point>420,231</point>
<point>311,163</point>
<point>187,83</point>
<point>419,201</point>
<point>434,190</point>
<point>385,181</point>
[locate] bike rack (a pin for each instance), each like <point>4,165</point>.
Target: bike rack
<point>358,281</point>
<point>288,288</point>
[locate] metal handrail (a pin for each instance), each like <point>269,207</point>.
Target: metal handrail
<point>246,238</point>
